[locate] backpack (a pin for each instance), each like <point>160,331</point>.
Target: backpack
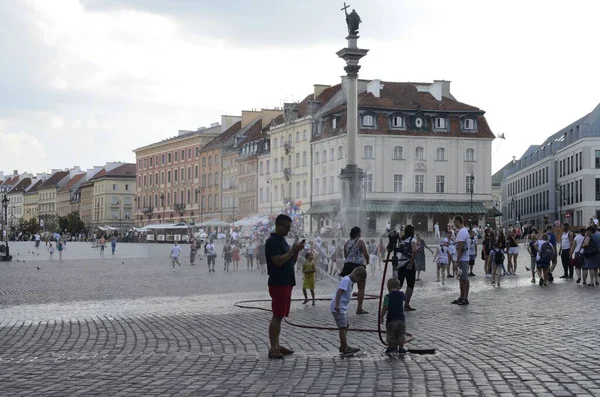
<point>546,253</point>
<point>405,250</point>
<point>498,257</point>
<point>591,249</point>
<point>534,249</point>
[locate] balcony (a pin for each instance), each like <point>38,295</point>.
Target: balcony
<point>287,147</point>
<point>180,208</point>
<point>147,210</point>
<point>287,173</point>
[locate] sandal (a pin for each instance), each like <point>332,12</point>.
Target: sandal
<point>409,309</point>
<point>285,351</point>
<point>276,355</point>
<point>362,311</point>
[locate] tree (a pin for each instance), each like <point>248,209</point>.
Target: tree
<point>31,226</point>
<point>71,223</point>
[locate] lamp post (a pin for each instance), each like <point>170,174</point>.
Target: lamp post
<point>6,256</point>
<point>471,188</point>
<point>162,204</point>
<point>232,187</point>
<point>97,215</point>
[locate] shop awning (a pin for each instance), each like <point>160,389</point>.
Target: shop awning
<point>330,207</point>
<point>425,207</point>
<point>495,212</point>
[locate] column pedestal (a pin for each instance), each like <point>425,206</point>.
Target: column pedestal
<point>352,210</point>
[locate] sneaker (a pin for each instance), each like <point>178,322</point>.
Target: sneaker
<point>578,280</point>
<point>389,351</point>
<point>276,355</point>
<point>471,274</point>
<point>488,276</point>
<point>402,351</point>
<point>351,351</point>
<point>463,302</point>
<point>541,281</point>
<point>457,301</point>
<point>498,284</point>
<point>173,269</point>
<point>305,301</point>
<point>563,276</point>
<point>493,283</point>
<point>533,281</point>
<point>361,311</point>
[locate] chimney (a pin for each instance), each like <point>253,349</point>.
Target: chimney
<point>248,116</point>
<point>514,160</point>
<point>374,87</point>
<point>318,89</point>
<point>290,112</point>
<point>440,89</point>
<point>213,125</point>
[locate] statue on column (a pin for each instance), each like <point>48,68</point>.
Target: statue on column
<point>352,20</point>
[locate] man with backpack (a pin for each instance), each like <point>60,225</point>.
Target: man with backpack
<point>552,241</point>
<point>532,249</point>
<point>545,255</point>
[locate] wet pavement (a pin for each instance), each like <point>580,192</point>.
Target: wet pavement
<point>128,325</point>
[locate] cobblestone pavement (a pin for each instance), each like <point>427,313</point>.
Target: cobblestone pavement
<point>128,325</point>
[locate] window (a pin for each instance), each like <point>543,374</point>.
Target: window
<point>324,185</point>
<point>369,182</point>
<point>440,181</point>
<point>297,160</point>
<point>168,176</point>
<point>398,153</point>
<point>175,156</point>
<point>304,136</point>
<point>440,123</point>
<point>162,177</point>
<point>316,157</point>
<point>470,184</point>
<point>334,123</point>
<point>331,154</point>
<point>182,155</point>
<point>268,170</point>
<point>260,168</point>
<point>324,156</point>
<point>275,165</point>
<point>210,179</point>
<point>281,144</point>
<point>304,188</point>
<point>297,136</point>
<point>419,153</point>
<point>209,202</point>
<point>470,155</point>
<point>368,152</point>
<point>204,161</point>
<point>397,183</point>
<point>397,122</point>
<point>175,175</point>
<point>440,154</point>
<point>189,173</point>
<point>297,188</point>
<point>331,184</point>
<point>260,195</point>
<point>340,152</point>
<point>216,179</point>
<point>419,183</point>
<point>304,158</point>
<point>203,180</point>
<point>469,124</point>
<point>115,187</point>
<point>274,143</point>
<point>316,187</point>
<point>597,159</point>
<point>196,173</point>
<point>368,120</point>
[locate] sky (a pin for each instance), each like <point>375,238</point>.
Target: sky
<point>84,82</point>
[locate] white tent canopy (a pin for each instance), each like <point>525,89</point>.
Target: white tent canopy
<point>166,226</point>
<point>251,221</point>
<point>213,223</point>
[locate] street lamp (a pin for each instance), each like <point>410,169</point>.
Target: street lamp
<point>162,204</point>
<point>6,256</point>
<point>201,203</point>
<point>472,179</point>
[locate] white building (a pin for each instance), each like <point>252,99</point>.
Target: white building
<point>426,156</point>
<point>557,180</point>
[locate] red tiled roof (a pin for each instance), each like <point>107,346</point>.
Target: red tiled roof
<point>21,186</point>
<point>72,182</point>
<point>53,180</point>
<point>255,132</point>
<point>125,170</point>
<point>221,139</point>
<point>35,187</point>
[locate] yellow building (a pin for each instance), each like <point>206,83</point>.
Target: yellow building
<point>85,192</point>
<point>113,196</point>
<point>30,201</point>
<point>66,194</point>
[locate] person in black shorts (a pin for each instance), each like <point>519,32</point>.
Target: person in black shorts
<point>406,264</point>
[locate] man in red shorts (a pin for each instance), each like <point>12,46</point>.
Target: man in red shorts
<point>280,266</point>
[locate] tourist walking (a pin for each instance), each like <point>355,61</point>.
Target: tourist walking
<point>280,266</point>
<point>441,259</point>
<point>226,255</point>
<point>420,256</point>
<point>513,252</point>
<point>102,243</point>
<point>175,252</point>
<point>591,253</point>
<point>309,269</point>
<point>193,250</point>
<point>462,255</point>
<point>261,259</point>
<point>37,240</point>
<point>51,251</point>
<point>211,255</point>
<point>372,249</point>
<point>250,256</point>
<point>113,243</point>
<point>532,248</point>
<point>235,255</point>
<point>566,242</point>
<point>472,251</point>
<point>356,254</point>
<point>60,247</point>
<point>577,255</point>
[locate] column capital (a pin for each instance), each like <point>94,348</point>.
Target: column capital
<point>352,70</point>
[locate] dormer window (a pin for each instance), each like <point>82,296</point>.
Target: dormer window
<point>333,123</point>
<point>468,124</point>
<point>368,120</point>
<point>440,123</point>
<point>418,122</point>
<point>397,122</point>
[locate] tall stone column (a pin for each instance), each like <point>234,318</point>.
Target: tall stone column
<point>351,205</point>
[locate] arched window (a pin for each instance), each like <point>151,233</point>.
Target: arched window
<point>340,152</point>
<point>368,152</point>
<point>470,155</point>
<point>324,155</point>
<point>204,161</point>
<point>281,142</point>
<point>397,122</point>
<point>368,120</point>
<point>419,153</point>
<point>398,153</point>
<point>469,124</point>
<point>440,154</point>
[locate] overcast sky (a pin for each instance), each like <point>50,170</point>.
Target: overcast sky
<point>85,82</point>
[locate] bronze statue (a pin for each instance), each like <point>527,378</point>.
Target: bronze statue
<point>352,20</point>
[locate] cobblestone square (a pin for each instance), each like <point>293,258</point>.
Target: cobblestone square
<point>128,325</point>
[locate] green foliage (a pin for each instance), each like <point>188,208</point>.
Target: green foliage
<point>71,223</point>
